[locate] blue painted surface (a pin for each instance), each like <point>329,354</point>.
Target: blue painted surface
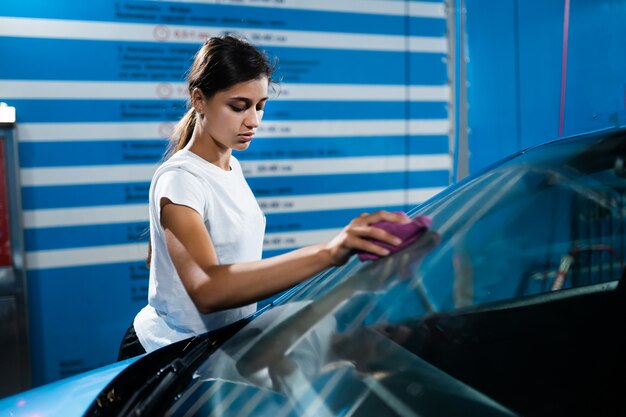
<point>491,70</point>
<point>596,78</point>
<point>296,65</point>
<point>51,111</point>
<point>540,43</point>
<point>79,236</point>
<point>66,398</point>
<point>47,111</point>
<point>93,153</point>
<point>80,314</point>
<point>135,193</point>
<point>515,68</point>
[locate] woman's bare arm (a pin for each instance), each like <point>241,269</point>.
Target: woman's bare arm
<point>213,287</point>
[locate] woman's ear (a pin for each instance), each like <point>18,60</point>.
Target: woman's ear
<point>197,101</point>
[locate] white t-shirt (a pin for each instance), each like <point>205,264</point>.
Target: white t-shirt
<point>236,225</point>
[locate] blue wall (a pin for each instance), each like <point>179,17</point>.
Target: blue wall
<point>361,123</point>
<point>515,72</point>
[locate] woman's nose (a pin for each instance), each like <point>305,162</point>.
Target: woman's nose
<point>253,118</point>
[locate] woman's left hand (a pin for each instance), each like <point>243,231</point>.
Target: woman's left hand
<point>357,235</point>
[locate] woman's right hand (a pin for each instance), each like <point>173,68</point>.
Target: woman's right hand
<point>357,235</point>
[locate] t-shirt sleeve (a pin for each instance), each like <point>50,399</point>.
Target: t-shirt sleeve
<point>183,188</point>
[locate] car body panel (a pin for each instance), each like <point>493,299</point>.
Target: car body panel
<point>68,397</point>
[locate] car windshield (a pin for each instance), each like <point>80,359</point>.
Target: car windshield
<point>545,223</point>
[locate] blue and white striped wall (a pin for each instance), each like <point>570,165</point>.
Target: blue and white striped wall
<point>360,123</point>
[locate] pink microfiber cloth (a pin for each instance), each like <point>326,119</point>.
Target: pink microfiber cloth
<point>408,232</point>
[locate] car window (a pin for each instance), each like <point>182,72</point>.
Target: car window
<point>536,230</point>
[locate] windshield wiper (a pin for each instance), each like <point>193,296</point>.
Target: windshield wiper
<point>169,380</point>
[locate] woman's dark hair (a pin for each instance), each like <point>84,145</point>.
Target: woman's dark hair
<point>220,63</point>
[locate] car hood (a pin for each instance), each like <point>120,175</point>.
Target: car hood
<point>66,398</point>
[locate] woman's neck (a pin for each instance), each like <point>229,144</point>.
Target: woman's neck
<point>211,151</point>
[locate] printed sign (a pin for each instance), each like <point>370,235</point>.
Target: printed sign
<point>357,121</point>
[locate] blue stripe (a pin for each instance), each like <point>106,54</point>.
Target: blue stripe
<point>137,193</point>
<point>293,148</point>
<point>304,65</point>
<point>63,111</point>
<point>79,236</point>
<point>322,184</point>
<point>271,253</point>
<point>58,154</point>
<point>138,61</point>
<point>303,148</point>
<point>84,195</point>
<point>314,220</point>
<point>51,238</point>
<point>433,72</point>
<point>65,154</point>
<point>131,271</point>
<point>420,26</point>
<point>354,110</point>
<point>213,15</point>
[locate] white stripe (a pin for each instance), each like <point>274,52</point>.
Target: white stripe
<point>363,92</point>
<point>81,216</point>
<point>114,174</point>
<point>108,174</point>
<point>339,201</point>
<point>281,168</point>
<point>55,132</point>
<point>394,8</point>
<point>275,241</point>
<point>108,90</point>
<point>426,9</point>
<point>92,90</point>
<point>348,128</point>
<point>98,255</point>
<point>131,213</point>
<point>139,32</point>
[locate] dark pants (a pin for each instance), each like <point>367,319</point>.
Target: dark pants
<point>130,346</point>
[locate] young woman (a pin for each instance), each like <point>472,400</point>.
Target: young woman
<point>206,228</point>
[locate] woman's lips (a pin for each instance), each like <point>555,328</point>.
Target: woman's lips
<point>247,137</point>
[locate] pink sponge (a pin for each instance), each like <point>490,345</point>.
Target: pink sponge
<point>408,232</point>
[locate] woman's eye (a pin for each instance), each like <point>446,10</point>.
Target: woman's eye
<point>238,109</point>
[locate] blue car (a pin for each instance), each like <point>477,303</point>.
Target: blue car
<point>512,303</point>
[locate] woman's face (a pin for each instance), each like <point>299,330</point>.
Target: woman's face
<point>231,117</point>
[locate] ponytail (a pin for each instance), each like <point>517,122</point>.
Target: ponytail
<point>179,139</point>
<point>182,133</point>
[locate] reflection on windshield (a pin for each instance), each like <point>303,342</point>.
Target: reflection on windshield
<point>351,341</point>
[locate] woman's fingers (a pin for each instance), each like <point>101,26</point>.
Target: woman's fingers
<point>358,243</point>
<point>377,233</point>
<point>360,235</point>
<point>384,216</point>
